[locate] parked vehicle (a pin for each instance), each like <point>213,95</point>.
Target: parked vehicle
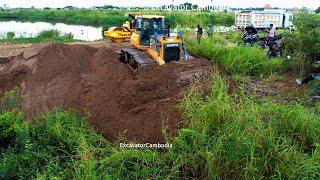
<point>251,36</point>
<point>263,18</point>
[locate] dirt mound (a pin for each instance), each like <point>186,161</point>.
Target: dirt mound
<point>93,81</point>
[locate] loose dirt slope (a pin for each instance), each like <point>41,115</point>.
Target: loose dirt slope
<point>95,82</point>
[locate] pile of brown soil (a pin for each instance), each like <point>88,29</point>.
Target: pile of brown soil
<point>106,91</point>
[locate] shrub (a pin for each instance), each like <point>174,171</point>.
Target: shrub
<point>13,131</point>
<point>68,35</point>
<point>10,99</point>
<point>10,35</point>
<point>304,43</point>
<point>49,34</point>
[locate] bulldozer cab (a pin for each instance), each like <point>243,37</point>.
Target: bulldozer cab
<point>149,25</point>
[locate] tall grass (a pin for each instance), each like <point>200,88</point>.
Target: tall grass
<point>227,137</point>
<point>60,145</point>
<point>192,19</point>
<point>108,18</point>
<point>247,139</point>
<point>83,17</point>
<point>234,59</point>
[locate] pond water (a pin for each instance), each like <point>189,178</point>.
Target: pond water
<point>31,29</point>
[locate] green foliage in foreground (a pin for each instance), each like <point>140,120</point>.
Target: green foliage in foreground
<point>227,137</point>
<point>60,145</point>
<point>248,139</point>
<point>108,18</point>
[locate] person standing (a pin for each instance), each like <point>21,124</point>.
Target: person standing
<point>199,33</point>
<point>272,32</point>
<point>210,30</point>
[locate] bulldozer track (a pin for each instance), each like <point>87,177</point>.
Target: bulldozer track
<point>140,58</point>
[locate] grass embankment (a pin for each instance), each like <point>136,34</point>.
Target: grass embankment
<point>36,40</point>
<point>237,60</point>
<point>43,36</point>
<point>227,137</point>
<point>108,18</point>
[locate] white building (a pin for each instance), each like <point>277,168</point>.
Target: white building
<point>263,19</point>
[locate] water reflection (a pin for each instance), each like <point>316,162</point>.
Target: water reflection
<point>29,29</point>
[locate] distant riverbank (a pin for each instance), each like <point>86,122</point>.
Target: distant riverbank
<point>108,18</point>
<point>32,30</point>
<point>43,36</point>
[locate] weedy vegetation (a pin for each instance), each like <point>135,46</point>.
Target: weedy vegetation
<point>226,136</point>
<point>109,18</point>
<point>52,35</point>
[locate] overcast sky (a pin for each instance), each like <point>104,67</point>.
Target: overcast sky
<point>231,3</point>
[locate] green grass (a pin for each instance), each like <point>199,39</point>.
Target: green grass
<point>83,17</point>
<point>49,34</point>
<point>233,37</point>
<point>44,36</point>
<point>36,40</point>
<point>10,99</point>
<point>109,18</point>
<point>192,19</point>
<point>227,137</point>
<point>237,60</point>
<point>56,145</point>
<point>249,139</point>
<point>10,35</point>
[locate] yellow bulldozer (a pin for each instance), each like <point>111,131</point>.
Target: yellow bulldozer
<point>151,41</point>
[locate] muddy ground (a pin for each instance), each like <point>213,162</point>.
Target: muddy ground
<point>91,79</point>
<point>88,77</point>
